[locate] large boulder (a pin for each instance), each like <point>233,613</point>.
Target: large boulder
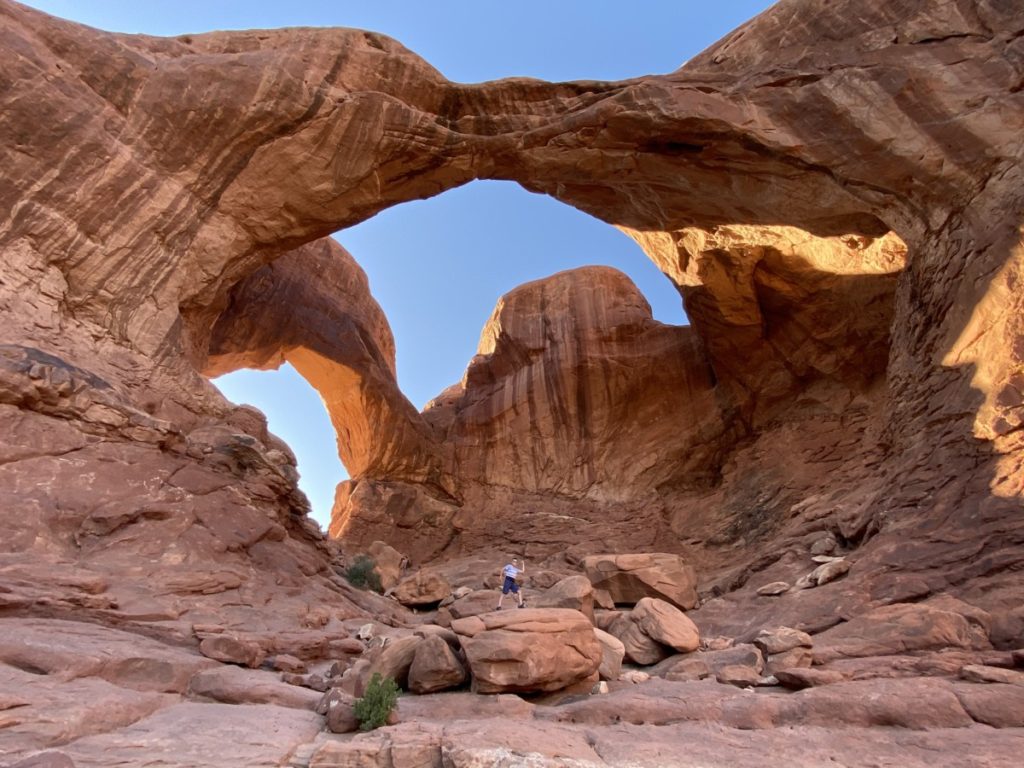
<point>533,649</point>
<point>337,707</point>
<point>639,647</point>
<point>781,639</point>
<point>393,660</point>
<point>612,653</point>
<point>389,562</point>
<point>232,650</point>
<point>700,664</point>
<point>629,578</point>
<point>425,587</point>
<point>653,630</point>
<point>574,592</point>
<point>435,667</point>
<point>474,603</point>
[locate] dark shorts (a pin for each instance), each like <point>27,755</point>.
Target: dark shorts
<point>509,586</point>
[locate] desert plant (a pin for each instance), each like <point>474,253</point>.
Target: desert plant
<point>373,709</point>
<point>363,574</point>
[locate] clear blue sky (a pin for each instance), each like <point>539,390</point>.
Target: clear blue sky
<point>438,266</point>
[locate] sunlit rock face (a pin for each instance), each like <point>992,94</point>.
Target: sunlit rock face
<point>830,381</point>
<point>313,309</point>
<point>585,422</point>
<point>779,308</point>
<point>570,370</point>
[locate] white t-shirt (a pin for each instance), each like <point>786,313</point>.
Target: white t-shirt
<point>511,571</point>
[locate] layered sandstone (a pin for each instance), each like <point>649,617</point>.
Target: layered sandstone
<point>836,190</point>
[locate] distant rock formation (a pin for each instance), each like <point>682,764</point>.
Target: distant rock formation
<point>836,190</point>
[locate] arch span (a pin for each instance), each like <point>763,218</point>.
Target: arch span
<point>187,165</point>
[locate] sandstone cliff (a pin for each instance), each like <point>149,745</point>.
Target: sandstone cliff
<point>835,188</point>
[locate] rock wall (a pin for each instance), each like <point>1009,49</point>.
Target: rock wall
<point>831,380</point>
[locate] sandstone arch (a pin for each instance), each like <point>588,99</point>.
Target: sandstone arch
<point>162,175</point>
<point>336,336</point>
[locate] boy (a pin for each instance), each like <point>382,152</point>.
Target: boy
<point>511,572</point>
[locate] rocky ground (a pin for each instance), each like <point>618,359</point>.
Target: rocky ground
<point>788,534</point>
<point>906,684</point>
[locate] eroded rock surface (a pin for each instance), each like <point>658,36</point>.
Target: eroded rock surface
<point>836,190</point>
<point>534,649</point>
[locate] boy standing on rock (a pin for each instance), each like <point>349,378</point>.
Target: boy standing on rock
<point>511,573</point>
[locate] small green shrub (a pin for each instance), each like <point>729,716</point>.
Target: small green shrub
<point>379,699</point>
<point>363,574</point>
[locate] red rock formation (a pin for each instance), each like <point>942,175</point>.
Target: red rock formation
<point>336,336</point>
<point>830,382</point>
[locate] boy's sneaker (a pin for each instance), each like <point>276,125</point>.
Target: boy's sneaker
<point>498,608</point>
<point>522,605</point>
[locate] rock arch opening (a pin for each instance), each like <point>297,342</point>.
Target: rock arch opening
<point>439,266</point>
<point>297,414</point>
<point>310,308</point>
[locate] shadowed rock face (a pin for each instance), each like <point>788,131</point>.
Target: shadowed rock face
<point>163,206</point>
<point>336,336</point>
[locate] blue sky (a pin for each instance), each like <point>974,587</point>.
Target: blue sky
<point>438,266</point>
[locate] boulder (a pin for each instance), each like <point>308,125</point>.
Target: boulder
<point>738,675</point>
<point>425,587</point>
<point>605,618</point>
<point>542,579</point>
<point>573,592</point>
<point>311,680</point>
<point>653,629</point>
<point>666,624</point>
<point>353,680</point>
<point>797,678</point>
<point>634,676</point>
<point>716,643</point>
<point>1008,628</point>
<point>795,658</point>
<point>433,630</point>
<point>830,571</point>
<point>639,647</point>
<point>348,646</point>
<point>534,649</point>
<point>682,668</point>
<point>774,589</point>
<point>824,545</point>
<point>435,667</point>
<point>629,578</point>
<point>231,649</point>
<point>337,708</point>
<point>781,639</point>
<point>474,603</point>
<point>744,654</point>
<point>389,562</point>
<point>612,653</point>
<point>701,664</point>
<point>393,660</point>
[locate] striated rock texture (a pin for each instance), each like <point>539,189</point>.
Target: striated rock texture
<point>836,188</point>
<point>569,371</point>
<point>336,336</point>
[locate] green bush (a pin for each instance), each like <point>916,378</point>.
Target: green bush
<point>379,699</point>
<point>363,574</point>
